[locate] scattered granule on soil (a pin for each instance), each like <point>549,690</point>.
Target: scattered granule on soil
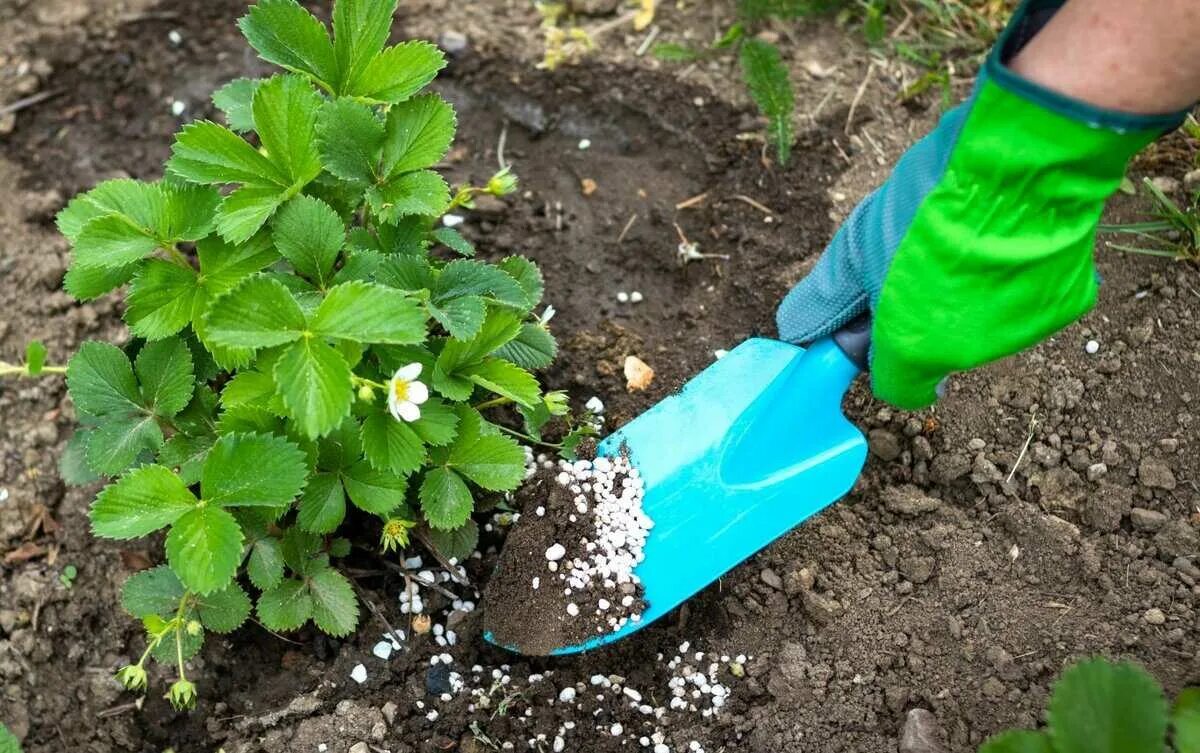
<point>566,573</point>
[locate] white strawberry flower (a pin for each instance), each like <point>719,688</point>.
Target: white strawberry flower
<point>405,393</point>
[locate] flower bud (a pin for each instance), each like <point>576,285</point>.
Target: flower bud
<point>182,695</point>
<point>502,183</point>
<point>132,676</point>
<point>366,393</point>
<point>395,534</point>
<point>194,628</point>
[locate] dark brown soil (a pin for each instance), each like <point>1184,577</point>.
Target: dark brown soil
<point>939,583</point>
<point>535,621</point>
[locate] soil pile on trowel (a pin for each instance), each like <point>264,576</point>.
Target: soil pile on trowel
<point>565,575</point>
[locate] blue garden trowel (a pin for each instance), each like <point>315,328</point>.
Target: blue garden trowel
<point>750,448</point>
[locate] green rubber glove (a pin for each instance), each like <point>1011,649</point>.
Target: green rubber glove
<point>980,242</point>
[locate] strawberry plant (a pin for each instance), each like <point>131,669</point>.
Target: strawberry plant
<point>1100,706</point>
<point>308,339</point>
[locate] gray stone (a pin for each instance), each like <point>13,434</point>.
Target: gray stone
<point>908,500</point>
<point>949,467</point>
<point>1096,471</point>
<point>771,578</point>
<point>820,608</point>
<point>453,42</point>
<point>1104,508</point>
<point>1154,616</point>
<point>921,733</point>
<point>1156,474</point>
<point>883,444</point>
<point>1147,520</point>
<point>917,569</point>
<point>1177,539</point>
<point>360,747</point>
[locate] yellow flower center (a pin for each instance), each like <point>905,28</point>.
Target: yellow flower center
<point>400,388</point>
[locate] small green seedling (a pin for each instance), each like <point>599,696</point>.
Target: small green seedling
<point>309,339</point>
<point>68,575</point>
<point>763,69</point>
<point>1173,234</point>
<point>35,363</point>
<point>1100,706</point>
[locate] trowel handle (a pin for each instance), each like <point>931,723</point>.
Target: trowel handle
<point>854,340</point>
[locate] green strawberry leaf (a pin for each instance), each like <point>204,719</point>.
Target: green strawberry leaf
<point>161,299</point>
<point>507,380</point>
<point>265,564</point>
<point>207,153</point>
<point>284,33</point>
<point>323,506</point>
<point>285,607</point>
<point>391,445</point>
<point>445,499</point>
<point>399,72</point>
<point>419,193</point>
<point>285,118</point>
<point>377,492</point>
<point>154,591</point>
<point>454,240</point>
<point>114,445</point>
<point>315,382</point>
<point>164,368</point>
<point>334,605</point>
<point>244,212</point>
<point>360,30</point>
<point>235,100</point>
<point>253,470</point>
<point>438,424</point>
<point>368,313</point>
<point>350,140</point>
<point>492,461</point>
<point>139,503</point>
<point>225,610</point>
<point>310,235</point>
<point>533,348</point>
<point>101,381</point>
<point>1186,721</point>
<point>1103,707</point>
<point>204,548</point>
<point>418,135</point>
<point>258,313</point>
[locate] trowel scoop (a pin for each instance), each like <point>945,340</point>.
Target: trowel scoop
<point>750,448</point>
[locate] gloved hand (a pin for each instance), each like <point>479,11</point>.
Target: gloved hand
<point>980,242</point>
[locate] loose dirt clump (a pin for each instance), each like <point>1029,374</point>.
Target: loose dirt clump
<point>566,571</point>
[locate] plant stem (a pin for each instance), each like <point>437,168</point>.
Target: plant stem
<point>527,438</point>
<point>494,402</point>
<point>8,369</point>
<point>179,626</point>
<point>358,381</point>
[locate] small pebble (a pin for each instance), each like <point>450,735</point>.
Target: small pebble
<point>383,650</point>
<point>585,144</point>
<point>452,220</point>
<point>556,552</point>
<point>174,37</point>
<point>636,297</point>
<point>622,297</point>
<point>177,108</point>
<point>1092,347</point>
<point>359,674</point>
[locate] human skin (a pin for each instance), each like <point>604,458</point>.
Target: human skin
<point>1136,56</point>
